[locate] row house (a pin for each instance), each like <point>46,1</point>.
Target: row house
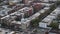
<point>24,22</point>
<point>16,8</point>
<point>47,20</point>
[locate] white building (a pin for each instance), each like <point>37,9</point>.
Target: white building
<point>46,21</point>
<point>51,17</point>
<point>56,12</point>
<point>23,24</point>
<point>43,25</point>
<point>15,1</point>
<point>49,0</point>
<point>47,4</point>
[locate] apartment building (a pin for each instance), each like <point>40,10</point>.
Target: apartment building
<point>16,17</point>
<point>37,6</point>
<point>28,11</point>
<point>47,20</point>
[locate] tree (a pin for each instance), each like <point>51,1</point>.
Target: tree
<point>0,1</point>
<point>52,7</point>
<point>58,2</point>
<point>35,22</point>
<point>58,17</point>
<point>35,31</point>
<point>54,25</point>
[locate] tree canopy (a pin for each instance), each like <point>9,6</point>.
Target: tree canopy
<point>54,25</point>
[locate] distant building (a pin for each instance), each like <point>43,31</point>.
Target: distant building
<point>12,2</point>
<point>49,0</point>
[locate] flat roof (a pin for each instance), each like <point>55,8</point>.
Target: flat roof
<point>52,17</point>
<point>5,17</point>
<point>47,19</point>
<point>34,16</point>
<point>42,11</point>
<point>16,22</point>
